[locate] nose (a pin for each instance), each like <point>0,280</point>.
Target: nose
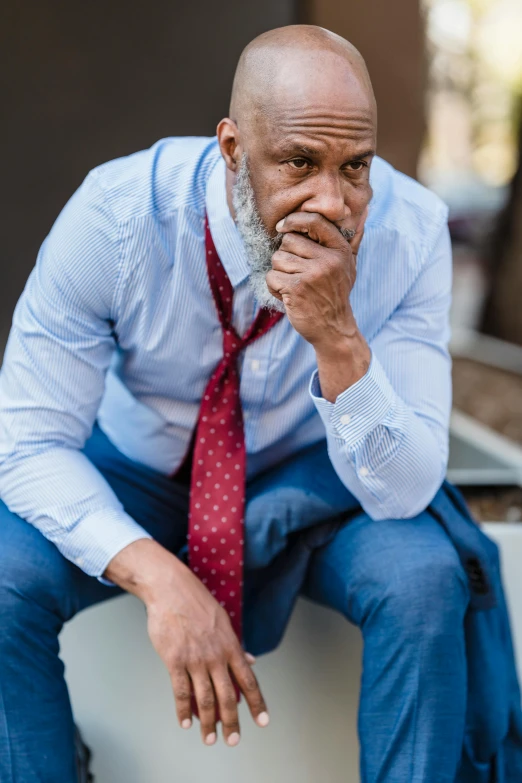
<point>328,199</point>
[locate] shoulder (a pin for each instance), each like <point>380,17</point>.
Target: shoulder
<point>170,174</point>
<point>404,208</point>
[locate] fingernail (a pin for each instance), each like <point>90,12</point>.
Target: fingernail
<point>186,724</point>
<point>280,225</point>
<point>263,719</point>
<point>233,738</point>
<point>250,658</point>
<point>210,738</point>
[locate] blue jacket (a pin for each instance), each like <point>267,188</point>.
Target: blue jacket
<point>307,508</point>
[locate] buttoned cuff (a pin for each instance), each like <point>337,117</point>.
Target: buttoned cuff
<point>97,538</point>
<point>357,410</point>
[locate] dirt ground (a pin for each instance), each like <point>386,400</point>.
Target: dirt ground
<point>493,397</point>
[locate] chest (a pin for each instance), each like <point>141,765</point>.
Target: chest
<point>170,336</point>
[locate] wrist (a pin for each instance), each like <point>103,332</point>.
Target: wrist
<point>341,364</point>
<point>346,345</point>
<point>145,569</point>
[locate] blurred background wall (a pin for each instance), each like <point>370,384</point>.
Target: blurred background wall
<point>87,82</point>
<point>390,36</point>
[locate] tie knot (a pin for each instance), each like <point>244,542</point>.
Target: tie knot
<point>232,344</point>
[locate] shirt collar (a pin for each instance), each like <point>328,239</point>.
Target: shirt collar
<point>227,239</point>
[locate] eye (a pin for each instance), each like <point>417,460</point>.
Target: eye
<point>299,163</point>
<point>357,165</point>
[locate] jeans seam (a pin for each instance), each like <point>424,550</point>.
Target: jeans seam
<point>7,734</point>
<point>415,723</point>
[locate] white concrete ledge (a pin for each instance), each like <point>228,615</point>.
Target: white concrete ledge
<point>122,698</point>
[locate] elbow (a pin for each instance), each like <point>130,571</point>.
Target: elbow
<point>411,494</point>
<point>423,490</point>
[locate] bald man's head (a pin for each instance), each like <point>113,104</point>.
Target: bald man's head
<point>300,137</point>
<point>296,51</point>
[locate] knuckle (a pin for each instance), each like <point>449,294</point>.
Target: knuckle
<point>182,694</point>
<point>229,702</point>
<point>193,659</point>
<point>207,701</point>
<point>175,665</point>
<point>250,684</point>
<point>210,659</point>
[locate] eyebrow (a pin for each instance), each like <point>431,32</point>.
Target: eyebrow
<point>361,156</point>
<point>292,149</point>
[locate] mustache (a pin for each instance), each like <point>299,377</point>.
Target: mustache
<point>347,233</point>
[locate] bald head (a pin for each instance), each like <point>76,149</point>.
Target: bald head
<point>295,62</point>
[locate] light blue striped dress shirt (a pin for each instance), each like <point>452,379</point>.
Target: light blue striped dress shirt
<point>117,321</point>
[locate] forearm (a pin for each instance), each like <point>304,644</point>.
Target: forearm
<point>147,569</point>
<point>61,493</point>
<point>342,364</point>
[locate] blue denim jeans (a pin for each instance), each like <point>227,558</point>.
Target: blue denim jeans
<point>399,581</point>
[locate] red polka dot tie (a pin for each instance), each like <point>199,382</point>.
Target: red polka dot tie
<point>217,488</point>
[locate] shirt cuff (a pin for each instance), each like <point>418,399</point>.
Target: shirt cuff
<point>358,409</point>
<point>97,538</point>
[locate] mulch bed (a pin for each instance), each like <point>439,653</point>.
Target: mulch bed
<point>494,504</point>
<point>494,398</point>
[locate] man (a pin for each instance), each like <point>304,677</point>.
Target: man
<point>271,393</point>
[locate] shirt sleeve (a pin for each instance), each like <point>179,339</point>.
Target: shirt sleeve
<point>51,383</point>
<point>388,434</point>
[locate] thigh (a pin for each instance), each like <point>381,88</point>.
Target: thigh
<point>403,562</point>
<point>34,573</point>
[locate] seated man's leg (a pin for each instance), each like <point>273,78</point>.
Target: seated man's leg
<point>402,583</point>
<point>39,591</point>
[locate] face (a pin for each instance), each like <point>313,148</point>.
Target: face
<point>313,164</point>
<point>311,151</point>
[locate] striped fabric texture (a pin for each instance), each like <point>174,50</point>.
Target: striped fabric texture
<point>117,322</point>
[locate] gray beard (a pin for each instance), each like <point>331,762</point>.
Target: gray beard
<point>259,245</point>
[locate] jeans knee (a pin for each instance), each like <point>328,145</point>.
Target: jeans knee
<point>430,594</point>
<point>420,591</point>
<point>32,571</point>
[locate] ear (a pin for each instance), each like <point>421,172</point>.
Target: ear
<point>229,143</point>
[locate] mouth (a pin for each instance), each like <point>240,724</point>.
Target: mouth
<point>347,233</point>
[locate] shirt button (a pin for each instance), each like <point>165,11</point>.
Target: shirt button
<point>255,364</point>
<point>346,418</point>
<point>79,561</point>
<point>363,472</point>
